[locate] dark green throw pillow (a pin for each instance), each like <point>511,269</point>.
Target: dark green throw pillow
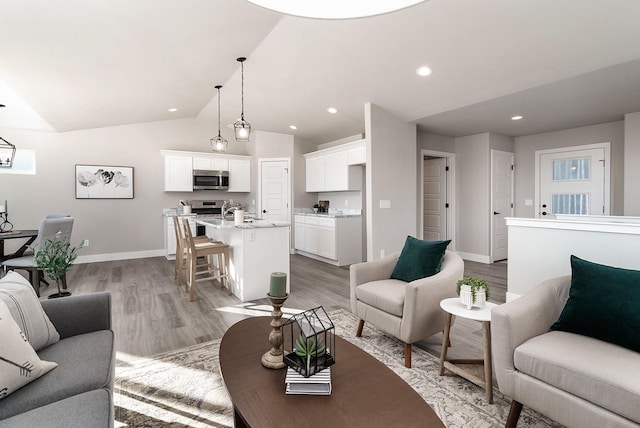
<point>419,259</point>
<point>604,303</point>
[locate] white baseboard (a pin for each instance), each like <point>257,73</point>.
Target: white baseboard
<point>92,258</point>
<point>474,257</point>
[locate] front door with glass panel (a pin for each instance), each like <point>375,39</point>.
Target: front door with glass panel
<point>572,182</point>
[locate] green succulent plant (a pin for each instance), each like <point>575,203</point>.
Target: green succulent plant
<point>310,347</point>
<point>475,284</point>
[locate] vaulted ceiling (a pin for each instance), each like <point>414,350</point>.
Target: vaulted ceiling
<point>73,64</point>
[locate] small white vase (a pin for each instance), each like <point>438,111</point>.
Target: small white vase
<point>467,298</point>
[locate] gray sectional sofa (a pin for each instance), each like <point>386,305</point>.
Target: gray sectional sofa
<point>79,392</point>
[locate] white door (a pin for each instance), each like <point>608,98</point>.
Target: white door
<point>274,185</point>
<point>435,199</point>
<point>573,182</point>
<point>501,201</point>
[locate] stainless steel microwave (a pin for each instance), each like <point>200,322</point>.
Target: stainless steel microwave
<point>210,180</point>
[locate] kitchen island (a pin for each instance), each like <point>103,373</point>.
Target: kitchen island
<point>256,250</point>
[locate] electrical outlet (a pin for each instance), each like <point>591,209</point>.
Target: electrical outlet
<point>85,243</point>
<point>381,253</point>
<point>346,202</point>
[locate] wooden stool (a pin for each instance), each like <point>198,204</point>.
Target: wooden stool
<point>207,250</point>
<point>181,245</point>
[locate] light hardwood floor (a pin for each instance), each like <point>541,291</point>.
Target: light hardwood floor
<point>152,315</point>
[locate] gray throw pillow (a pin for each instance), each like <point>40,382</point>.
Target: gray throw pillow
<point>27,311</point>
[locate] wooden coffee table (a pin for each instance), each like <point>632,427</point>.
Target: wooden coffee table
<point>365,392</point>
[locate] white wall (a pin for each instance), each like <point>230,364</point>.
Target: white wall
<point>526,146</point>
<point>390,175</point>
<point>473,193</point>
<point>111,225</point>
<point>441,143</point>
<point>631,164</point>
<point>301,198</point>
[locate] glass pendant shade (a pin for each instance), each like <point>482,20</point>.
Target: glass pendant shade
<point>7,153</point>
<point>219,144</point>
<point>242,127</point>
<point>243,130</point>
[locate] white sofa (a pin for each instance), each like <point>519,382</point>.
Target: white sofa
<point>575,380</point>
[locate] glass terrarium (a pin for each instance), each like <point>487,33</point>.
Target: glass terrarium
<point>309,342</point>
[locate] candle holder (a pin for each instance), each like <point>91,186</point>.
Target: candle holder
<point>5,224</point>
<point>273,359</point>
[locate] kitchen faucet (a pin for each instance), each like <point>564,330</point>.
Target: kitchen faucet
<point>226,210</point>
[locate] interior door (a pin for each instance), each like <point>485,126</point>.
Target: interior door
<point>274,184</point>
<point>501,201</point>
<point>573,182</point>
<point>435,199</point>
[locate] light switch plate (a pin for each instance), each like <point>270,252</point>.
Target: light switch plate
<point>385,203</point>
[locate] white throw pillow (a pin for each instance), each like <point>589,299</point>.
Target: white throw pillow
<point>19,363</point>
<point>27,311</point>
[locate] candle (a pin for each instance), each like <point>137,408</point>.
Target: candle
<point>278,284</point>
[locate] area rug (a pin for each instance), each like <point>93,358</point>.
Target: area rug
<point>183,388</point>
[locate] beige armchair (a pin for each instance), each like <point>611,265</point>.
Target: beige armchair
<point>409,311</point>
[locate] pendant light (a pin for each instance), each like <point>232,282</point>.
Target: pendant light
<point>242,127</point>
<point>219,144</point>
<point>7,152</point>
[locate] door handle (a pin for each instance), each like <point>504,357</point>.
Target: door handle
<point>544,213</point>
<point>495,213</point>
<point>264,211</point>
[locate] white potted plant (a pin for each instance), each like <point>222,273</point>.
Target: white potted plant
<point>55,257</point>
<point>473,292</point>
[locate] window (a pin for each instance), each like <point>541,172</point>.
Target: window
<point>577,203</point>
<point>571,169</point>
<point>24,163</point>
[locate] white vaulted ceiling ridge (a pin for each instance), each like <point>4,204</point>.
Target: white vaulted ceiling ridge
<point>84,64</point>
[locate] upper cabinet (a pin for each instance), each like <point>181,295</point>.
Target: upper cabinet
<point>336,169</point>
<point>179,166</point>
<point>239,175</point>
<point>178,173</point>
<point>210,163</point>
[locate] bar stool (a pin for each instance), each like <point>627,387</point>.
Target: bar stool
<point>181,245</point>
<point>207,250</point>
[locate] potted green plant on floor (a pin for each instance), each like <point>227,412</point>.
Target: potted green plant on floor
<point>55,257</point>
<point>473,291</point>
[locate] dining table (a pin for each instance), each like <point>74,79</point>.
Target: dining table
<point>30,236</point>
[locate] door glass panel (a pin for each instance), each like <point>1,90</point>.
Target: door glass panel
<point>577,203</point>
<point>571,169</point>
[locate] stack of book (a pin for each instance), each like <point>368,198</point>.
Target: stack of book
<point>318,384</point>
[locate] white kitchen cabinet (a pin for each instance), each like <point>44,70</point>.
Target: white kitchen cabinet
<point>211,163</point>
<point>335,240</point>
<point>327,238</point>
<point>333,170</point>
<point>336,171</point>
<point>357,155</point>
<point>178,173</point>
<point>315,174</point>
<point>239,175</point>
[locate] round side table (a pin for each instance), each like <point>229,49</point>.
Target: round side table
<point>454,306</point>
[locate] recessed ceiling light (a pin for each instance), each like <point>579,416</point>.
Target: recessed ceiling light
<point>518,117</point>
<point>332,110</point>
<point>293,127</point>
<point>423,71</point>
<point>173,109</point>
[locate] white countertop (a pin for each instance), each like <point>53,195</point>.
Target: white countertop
<point>333,215</point>
<point>230,224</point>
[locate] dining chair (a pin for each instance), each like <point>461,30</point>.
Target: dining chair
<point>208,271</point>
<point>49,227</point>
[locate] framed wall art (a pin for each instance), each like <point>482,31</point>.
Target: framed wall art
<point>104,182</point>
